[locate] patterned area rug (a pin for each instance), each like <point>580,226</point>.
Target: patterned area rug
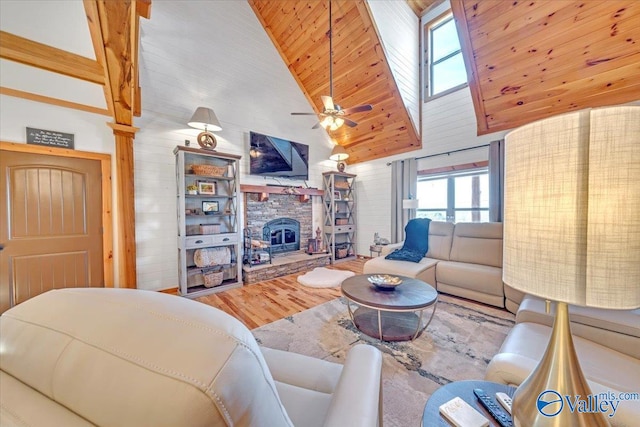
<point>457,345</point>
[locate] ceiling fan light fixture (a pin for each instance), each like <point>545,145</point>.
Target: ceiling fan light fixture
<point>332,112</point>
<point>337,122</point>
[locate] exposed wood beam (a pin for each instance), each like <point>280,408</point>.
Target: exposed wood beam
<point>114,28</point>
<point>29,52</point>
<point>53,101</point>
<point>126,215</point>
<point>143,8</point>
<point>117,21</point>
<point>93,19</point>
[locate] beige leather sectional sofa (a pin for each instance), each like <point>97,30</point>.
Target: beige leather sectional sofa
<point>464,259</point>
<point>607,343</point>
<point>122,357</point>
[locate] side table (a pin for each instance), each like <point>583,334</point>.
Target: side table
<point>375,248</point>
<point>464,390</point>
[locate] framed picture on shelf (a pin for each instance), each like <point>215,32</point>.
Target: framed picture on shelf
<point>336,195</point>
<point>210,207</point>
<point>206,188</point>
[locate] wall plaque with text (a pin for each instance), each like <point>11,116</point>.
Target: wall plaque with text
<point>50,138</point>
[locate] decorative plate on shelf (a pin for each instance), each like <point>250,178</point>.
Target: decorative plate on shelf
<point>384,281</point>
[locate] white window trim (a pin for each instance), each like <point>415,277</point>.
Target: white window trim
<point>426,63</point>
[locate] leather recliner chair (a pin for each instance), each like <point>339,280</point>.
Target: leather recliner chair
<point>119,357</point>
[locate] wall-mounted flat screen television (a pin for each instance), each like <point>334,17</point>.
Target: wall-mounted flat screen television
<point>277,157</point>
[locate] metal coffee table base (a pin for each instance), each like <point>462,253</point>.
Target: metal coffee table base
<point>389,324</point>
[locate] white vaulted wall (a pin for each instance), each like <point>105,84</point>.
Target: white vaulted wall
<point>231,65</point>
<point>238,73</point>
<point>399,30</point>
<point>448,124</point>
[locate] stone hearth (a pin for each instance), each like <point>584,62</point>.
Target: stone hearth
<point>258,213</point>
<point>283,264</point>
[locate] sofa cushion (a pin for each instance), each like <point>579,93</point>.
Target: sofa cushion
<point>93,350</point>
<point>416,242</point>
<point>477,243</point>
<point>440,237</point>
<point>531,339</point>
<point>400,268</point>
<point>616,329</point>
<point>305,384</point>
<point>24,406</point>
<point>513,297</point>
<point>481,278</point>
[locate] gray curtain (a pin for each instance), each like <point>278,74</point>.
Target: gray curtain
<point>404,182</point>
<point>496,180</point>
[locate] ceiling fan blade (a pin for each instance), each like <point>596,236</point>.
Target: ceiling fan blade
<point>359,108</point>
<point>303,114</point>
<point>327,101</point>
<point>349,123</point>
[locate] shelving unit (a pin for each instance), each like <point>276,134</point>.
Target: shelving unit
<point>339,203</point>
<point>208,233</point>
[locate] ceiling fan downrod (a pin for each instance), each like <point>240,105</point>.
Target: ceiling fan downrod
<point>330,53</point>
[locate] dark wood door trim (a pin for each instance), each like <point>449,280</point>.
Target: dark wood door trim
<point>105,166</point>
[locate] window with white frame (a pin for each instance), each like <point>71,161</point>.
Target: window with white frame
<point>444,67</point>
<point>454,196</point>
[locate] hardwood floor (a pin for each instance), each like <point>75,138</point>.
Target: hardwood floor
<point>265,302</point>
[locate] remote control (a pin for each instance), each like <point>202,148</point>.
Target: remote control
<point>498,414</point>
<point>505,401</point>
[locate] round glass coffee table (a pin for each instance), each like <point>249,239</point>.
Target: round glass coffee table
<point>389,315</point>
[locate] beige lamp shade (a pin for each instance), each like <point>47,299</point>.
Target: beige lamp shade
<point>205,119</point>
<point>338,153</point>
<point>572,208</point>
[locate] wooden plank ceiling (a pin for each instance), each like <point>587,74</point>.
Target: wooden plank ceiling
<point>420,7</point>
<point>361,74</point>
<point>527,60</point>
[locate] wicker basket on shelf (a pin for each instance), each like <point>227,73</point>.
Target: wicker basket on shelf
<point>212,278</point>
<point>210,170</point>
<point>343,185</point>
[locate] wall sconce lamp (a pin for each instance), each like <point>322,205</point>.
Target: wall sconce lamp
<point>205,119</point>
<point>339,154</point>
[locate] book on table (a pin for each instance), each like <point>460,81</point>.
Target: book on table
<point>460,414</point>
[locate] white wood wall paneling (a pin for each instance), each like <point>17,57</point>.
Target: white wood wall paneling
<point>230,65</point>
<point>448,123</point>
<point>399,32</point>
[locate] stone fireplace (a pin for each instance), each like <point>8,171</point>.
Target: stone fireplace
<point>279,207</point>
<point>287,223</point>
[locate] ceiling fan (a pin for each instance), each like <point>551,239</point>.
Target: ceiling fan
<point>333,116</point>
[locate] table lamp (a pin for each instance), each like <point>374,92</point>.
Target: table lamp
<point>571,235</point>
<point>339,154</point>
<point>205,119</point>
